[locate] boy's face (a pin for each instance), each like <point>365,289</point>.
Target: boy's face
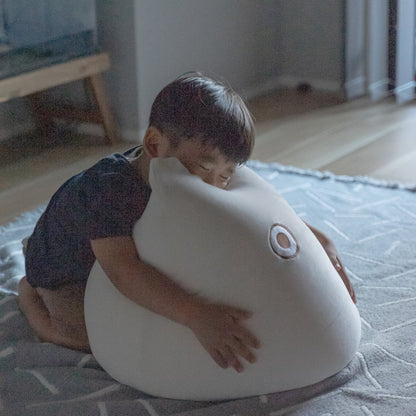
<point>206,162</point>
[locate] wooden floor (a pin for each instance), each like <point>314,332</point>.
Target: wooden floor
<point>308,130</point>
<point>355,138</point>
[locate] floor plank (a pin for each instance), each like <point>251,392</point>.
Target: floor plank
<point>337,140</point>
<point>375,157</point>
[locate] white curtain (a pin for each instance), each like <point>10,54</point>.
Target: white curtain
<point>367,50</point>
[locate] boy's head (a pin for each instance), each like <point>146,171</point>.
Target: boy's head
<point>198,108</point>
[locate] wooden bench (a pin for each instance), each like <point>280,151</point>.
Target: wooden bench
<point>89,68</point>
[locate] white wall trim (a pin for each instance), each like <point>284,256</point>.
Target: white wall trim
<point>405,92</point>
<point>289,81</point>
<point>127,135</point>
<point>355,88</point>
<point>379,90</point>
<point>93,129</point>
<point>260,89</point>
<point>405,51</point>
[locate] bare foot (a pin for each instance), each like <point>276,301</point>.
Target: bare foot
<point>39,319</point>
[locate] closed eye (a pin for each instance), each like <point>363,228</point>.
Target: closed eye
<point>203,168</point>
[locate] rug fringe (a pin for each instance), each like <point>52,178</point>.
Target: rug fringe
<point>323,175</point>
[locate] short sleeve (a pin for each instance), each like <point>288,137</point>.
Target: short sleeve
<point>114,205</point>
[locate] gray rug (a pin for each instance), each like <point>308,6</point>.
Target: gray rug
<point>374,227</point>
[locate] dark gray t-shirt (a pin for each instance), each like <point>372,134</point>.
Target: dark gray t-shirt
<point>103,201</point>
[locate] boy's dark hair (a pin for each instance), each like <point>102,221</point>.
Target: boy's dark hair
<point>197,107</point>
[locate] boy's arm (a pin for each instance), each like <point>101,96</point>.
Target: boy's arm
<point>333,255</point>
<point>217,327</point>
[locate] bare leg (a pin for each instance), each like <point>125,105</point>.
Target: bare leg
<point>45,325</point>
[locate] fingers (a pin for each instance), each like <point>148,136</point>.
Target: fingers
<point>245,337</point>
<point>220,330</point>
<point>339,267</point>
<point>229,356</point>
<point>226,358</point>
<point>241,350</point>
<point>219,358</point>
<point>238,313</point>
<point>241,340</point>
<point>348,284</point>
<point>240,332</point>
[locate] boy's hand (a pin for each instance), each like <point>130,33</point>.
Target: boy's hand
<point>220,331</point>
<point>339,267</point>
<point>217,327</point>
<point>333,255</point>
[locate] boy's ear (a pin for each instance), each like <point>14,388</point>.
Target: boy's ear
<point>154,142</point>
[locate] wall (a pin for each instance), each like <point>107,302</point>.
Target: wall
<point>377,48</point>
<point>355,50</point>
<point>117,35</point>
<point>367,48</point>
<point>405,70</point>
<point>310,42</point>
<point>255,45</point>
<point>219,38</point>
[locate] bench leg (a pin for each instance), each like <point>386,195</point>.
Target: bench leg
<point>96,83</point>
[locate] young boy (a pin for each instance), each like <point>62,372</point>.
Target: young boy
<point>209,129</point>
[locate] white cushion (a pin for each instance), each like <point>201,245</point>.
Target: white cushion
<point>245,247</point>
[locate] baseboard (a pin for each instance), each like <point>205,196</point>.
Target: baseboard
<point>290,81</point>
<point>260,89</point>
<point>127,135</point>
<point>355,88</point>
<point>379,90</point>
<point>405,92</point>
